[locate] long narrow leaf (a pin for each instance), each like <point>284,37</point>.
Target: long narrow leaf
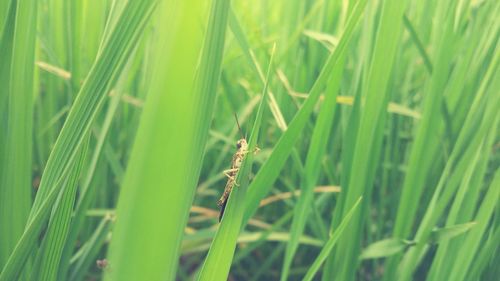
<point>218,261</point>
<point>16,153</point>
<point>166,158</point>
<point>331,243</point>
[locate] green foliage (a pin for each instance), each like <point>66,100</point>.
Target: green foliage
<point>385,248</point>
<point>116,124</point>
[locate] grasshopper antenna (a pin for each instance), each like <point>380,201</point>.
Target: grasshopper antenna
<point>239,127</point>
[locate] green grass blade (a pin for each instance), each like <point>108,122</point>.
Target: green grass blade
<point>439,266</point>
<point>471,243</point>
<point>6,42</point>
<point>218,261</point>
<point>484,256</point>
<point>348,142</point>
<point>168,154</point>
<point>367,143</point>
<point>4,12</point>
<point>317,149</point>
<point>325,251</point>
<point>385,248</point>
<point>92,248</point>
<point>87,191</point>
<point>420,153</point>
<point>480,120</point>
<point>27,242</point>
<point>16,153</point>
<point>49,256</point>
<point>418,43</point>
<point>442,234</point>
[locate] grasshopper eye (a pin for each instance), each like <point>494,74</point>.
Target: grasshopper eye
<point>238,145</point>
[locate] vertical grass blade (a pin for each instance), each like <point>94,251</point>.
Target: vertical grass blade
<point>415,178</point>
<point>369,138</point>
<point>16,152</point>
<point>82,113</point>
<point>159,185</point>
<point>424,148</point>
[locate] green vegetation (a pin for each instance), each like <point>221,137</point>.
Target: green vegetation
<point>373,132</point>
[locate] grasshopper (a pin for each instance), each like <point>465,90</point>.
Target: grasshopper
<point>241,151</point>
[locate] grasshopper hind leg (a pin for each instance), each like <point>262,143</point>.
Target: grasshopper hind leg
<point>222,208</point>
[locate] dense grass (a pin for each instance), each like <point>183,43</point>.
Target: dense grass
<point>376,124</point>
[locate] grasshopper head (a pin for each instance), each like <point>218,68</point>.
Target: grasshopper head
<point>242,144</point>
